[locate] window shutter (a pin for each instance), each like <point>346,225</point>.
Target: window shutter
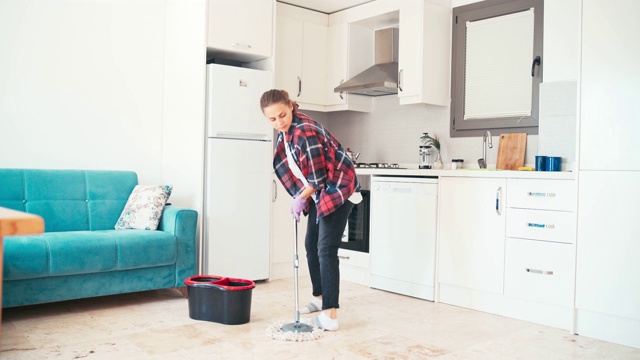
<point>499,55</point>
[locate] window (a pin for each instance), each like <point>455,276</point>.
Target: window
<point>496,67</point>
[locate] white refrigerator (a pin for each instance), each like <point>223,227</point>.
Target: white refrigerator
<point>238,171</point>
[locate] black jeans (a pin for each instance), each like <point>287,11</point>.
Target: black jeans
<point>322,242</point>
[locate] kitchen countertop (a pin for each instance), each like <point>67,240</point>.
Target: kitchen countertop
<point>470,172</point>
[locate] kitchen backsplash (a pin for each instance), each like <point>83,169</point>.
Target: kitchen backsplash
<point>391,133</point>
<point>557,136</point>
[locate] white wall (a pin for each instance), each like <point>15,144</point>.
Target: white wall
<point>183,102</point>
<point>105,85</point>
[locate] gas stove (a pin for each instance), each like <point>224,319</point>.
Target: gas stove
<point>378,165</point>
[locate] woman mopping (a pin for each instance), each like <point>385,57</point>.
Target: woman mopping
<point>316,171</point>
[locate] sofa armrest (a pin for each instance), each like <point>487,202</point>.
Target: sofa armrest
<point>182,223</point>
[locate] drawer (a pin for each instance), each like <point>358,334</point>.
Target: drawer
<point>353,258</point>
<point>541,194</point>
<point>556,226</point>
<point>539,271</point>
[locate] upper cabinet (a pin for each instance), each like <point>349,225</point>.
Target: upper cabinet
<point>609,87</point>
<point>424,28</point>
<point>346,56</point>
<point>316,52</point>
<point>240,30</point>
<point>301,50</point>
<point>423,59</point>
<point>337,50</point>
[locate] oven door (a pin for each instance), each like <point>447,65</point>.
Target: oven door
<point>356,234</point>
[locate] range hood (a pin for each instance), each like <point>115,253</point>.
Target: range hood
<point>382,77</point>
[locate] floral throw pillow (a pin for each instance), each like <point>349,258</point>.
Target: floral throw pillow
<point>144,207</point>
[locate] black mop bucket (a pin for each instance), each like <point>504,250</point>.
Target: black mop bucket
<point>219,299</point>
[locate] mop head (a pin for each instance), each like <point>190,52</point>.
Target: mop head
<point>277,332</point>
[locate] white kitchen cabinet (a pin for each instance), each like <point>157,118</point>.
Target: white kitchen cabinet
<point>424,44</point>
<point>424,52</point>
<point>540,251</point>
<point>354,266</point>
<point>340,64</point>
<point>288,68</point>
<point>337,62</point>
<point>471,234</point>
<point>282,235</point>
<point>314,62</point>
<point>607,291</point>
<point>240,30</point>
<point>505,249</point>
<point>609,86</point>
<point>542,194</point>
<point>301,48</point>
<point>540,271</point>
<point>542,210</point>
<point>555,226</point>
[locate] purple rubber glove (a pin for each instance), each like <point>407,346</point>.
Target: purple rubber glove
<point>297,206</point>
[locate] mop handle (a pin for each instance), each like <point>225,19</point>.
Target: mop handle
<point>295,269</point>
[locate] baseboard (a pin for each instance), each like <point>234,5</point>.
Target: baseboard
<point>522,309</point>
<point>403,287</point>
<point>612,328</point>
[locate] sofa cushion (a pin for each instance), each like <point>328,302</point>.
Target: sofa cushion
<point>142,248</point>
<point>82,252</point>
<point>68,200</point>
<point>144,207</point>
<point>12,189</point>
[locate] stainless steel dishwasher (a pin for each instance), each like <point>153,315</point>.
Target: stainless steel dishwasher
<point>403,235</point>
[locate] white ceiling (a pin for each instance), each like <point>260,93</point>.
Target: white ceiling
<point>326,6</point>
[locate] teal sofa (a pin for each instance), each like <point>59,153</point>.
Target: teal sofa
<point>80,254</point>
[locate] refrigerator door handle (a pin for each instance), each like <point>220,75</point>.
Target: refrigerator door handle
<point>239,135</point>
<point>275,191</point>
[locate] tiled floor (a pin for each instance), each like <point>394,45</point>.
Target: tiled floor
<point>374,325</point>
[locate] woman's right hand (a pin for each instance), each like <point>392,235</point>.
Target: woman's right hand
<point>298,205</point>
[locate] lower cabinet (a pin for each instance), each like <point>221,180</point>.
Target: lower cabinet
<point>608,252</point>
<point>354,267</point>
<point>507,246</point>
<point>539,271</point>
<point>471,233</point>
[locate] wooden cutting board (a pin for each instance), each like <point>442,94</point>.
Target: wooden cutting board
<point>511,150</point>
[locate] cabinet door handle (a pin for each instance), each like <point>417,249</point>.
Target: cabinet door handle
<point>541,226</point>
<point>248,46</point>
<point>299,86</point>
<point>541,194</point>
<point>498,198</point>
<point>400,79</point>
<point>344,257</point>
<point>341,97</point>
<point>538,271</point>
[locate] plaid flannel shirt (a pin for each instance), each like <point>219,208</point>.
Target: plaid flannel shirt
<point>322,160</point>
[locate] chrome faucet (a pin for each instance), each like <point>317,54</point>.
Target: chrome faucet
<point>486,139</point>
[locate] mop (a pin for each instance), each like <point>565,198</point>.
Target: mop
<point>294,331</point>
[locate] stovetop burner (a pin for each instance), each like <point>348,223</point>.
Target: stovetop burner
<point>378,165</point>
